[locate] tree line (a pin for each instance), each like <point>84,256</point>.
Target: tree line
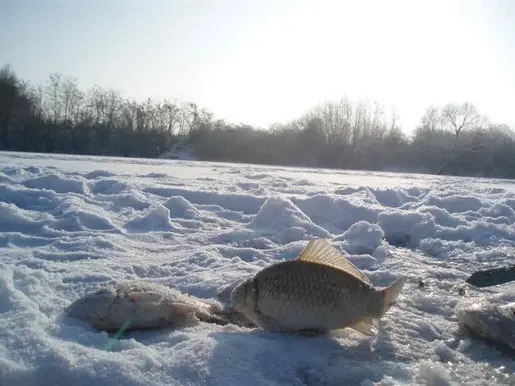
<point>58,117</point>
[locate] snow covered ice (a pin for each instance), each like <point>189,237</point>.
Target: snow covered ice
<point>71,224</point>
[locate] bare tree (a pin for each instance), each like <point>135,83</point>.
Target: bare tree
<point>185,118</point>
<point>394,120</point>
<point>113,104</point>
<point>96,105</point>
<point>172,116</point>
<point>432,119</point>
<point>461,117</point>
<point>128,115</point>
<point>54,100</point>
<point>72,98</point>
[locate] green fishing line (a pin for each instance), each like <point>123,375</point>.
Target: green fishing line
<point>118,334</point>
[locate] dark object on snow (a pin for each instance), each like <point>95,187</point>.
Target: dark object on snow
<point>493,276</point>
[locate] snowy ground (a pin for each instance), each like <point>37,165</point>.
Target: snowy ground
<point>70,224</point>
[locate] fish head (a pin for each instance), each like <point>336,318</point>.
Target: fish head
<point>244,295</point>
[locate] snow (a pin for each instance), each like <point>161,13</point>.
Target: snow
<point>71,224</point>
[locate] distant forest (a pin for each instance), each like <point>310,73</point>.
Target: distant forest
<point>58,117</point>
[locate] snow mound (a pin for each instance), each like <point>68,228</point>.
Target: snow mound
<point>109,186</point>
<point>30,199</point>
<point>157,219</point>
<point>129,199</point>
<point>334,213</point>
<point>406,228</point>
<point>181,208</point>
<point>15,220</point>
<point>77,220</point>
<point>454,203</point>
<point>281,215</point>
<point>361,238</point>
<point>98,174</point>
<point>391,197</point>
<point>499,210</point>
<point>442,216</point>
<point>58,184</point>
<point>235,202</point>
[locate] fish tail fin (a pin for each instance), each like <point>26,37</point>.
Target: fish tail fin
<point>389,295</point>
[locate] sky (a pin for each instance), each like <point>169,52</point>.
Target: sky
<point>261,62</point>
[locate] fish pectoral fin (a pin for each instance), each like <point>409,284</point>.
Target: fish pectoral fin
<point>364,326</point>
<point>267,323</point>
<point>209,316</point>
<point>321,252</point>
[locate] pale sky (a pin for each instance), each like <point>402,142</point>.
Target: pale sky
<point>267,61</point>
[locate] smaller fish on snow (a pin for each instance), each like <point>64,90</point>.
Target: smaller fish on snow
<point>144,305</point>
<point>318,292</point>
<point>490,322</point>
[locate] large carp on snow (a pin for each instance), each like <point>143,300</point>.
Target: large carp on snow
<point>319,291</point>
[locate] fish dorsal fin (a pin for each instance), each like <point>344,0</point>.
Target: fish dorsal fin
<point>321,252</point>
